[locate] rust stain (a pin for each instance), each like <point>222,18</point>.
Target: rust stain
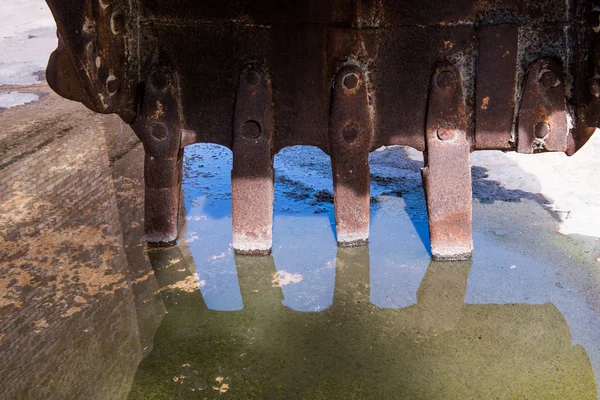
<point>159,113</point>
<point>485,102</point>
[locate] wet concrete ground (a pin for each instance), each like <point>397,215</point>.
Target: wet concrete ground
<point>87,312</point>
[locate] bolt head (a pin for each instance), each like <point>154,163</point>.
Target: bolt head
<point>446,79</point>
<point>541,130</point>
<point>351,133</point>
<point>351,81</point>
<point>549,79</point>
<point>117,22</point>
<point>112,85</point>
<point>251,130</point>
<point>446,131</point>
<point>252,77</point>
<point>159,79</point>
<point>159,131</point>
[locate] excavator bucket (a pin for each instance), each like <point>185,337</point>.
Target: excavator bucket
<point>446,77</point>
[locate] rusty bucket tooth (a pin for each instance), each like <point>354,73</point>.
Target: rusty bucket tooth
<point>350,135</point>
<point>252,174</point>
<point>159,129</point>
<point>542,123</point>
<point>447,173</point>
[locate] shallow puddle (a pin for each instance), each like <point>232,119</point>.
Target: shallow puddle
<point>87,312</point>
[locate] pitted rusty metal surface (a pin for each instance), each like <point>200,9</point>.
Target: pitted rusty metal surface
<point>252,173</point>
<point>542,123</point>
<point>496,86</point>
<point>447,172</point>
<point>158,128</point>
<point>109,50</point>
<point>350,135</point>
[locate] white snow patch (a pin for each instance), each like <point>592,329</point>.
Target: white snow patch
<point>13,99</point>
<point>285,278</point>
<point>27,37</point>
<point>571,183</point>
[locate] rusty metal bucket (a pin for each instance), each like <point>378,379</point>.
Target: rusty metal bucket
<point>444,77</point>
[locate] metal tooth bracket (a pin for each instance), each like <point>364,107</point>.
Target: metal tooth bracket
<point>159,129</point>
<point>350,133</point>
<point>252,173</point>
<point>447,173</point>
<point>542,120</point>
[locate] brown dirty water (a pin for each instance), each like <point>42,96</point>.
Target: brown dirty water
<point>88,312</point>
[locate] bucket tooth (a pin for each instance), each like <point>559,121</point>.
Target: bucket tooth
<point>252,174</point>
<point>447,173</point>
<point>542,122</point>
<point>159,129</point>
<point>161,215</point>
<point>350,133</point>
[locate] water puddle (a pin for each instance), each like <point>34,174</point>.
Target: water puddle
<point>311,321</point>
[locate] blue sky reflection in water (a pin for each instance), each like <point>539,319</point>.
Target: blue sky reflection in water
<point>503,271</point>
